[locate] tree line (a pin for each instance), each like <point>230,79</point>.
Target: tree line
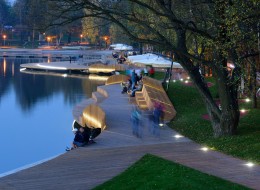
<point>34,20</point>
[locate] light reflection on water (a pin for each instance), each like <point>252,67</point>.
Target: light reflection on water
<point>36,113</point>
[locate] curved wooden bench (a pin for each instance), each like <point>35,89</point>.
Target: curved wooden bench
<point>151,93</point>
<point>94,117</point>
<point>116,79</point>
<point>102,68</point>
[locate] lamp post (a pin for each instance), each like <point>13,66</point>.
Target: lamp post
<point>4,37</point>
<point>81,36</point>
<point>48,39</point>
<point>106,38</point>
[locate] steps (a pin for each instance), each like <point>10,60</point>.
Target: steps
<point>98,97</point>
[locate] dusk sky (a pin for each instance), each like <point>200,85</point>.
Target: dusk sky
<point>11,1</point>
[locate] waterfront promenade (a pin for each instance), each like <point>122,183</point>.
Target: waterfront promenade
<point>117,149</point>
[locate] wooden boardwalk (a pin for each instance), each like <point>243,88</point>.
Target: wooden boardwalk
<point>116,149</point>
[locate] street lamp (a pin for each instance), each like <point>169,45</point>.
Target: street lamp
<point>81,36</point>
<point>48,39</point>
<point>4,37</point>
<point>106,38</point>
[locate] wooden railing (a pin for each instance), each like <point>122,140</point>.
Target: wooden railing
<point>153,92</point>
<point>94,117</point>
<point>116,79</point>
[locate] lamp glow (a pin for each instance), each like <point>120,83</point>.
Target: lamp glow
<point>181,79</point>
<point>249,164</point>
<point>247,100</point>
<point>178,136</point>
<point>161,124</point>
<point>242,110</point>
<point>188,78</point>
<point>205,149</point>
<point>174,80</point>
<point>186,81</point>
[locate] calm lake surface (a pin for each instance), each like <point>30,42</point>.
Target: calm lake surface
<point>36,113</point>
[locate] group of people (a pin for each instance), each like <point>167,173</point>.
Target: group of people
<point>133,84</point>
<point>82,138</point>
<point>155,119</point>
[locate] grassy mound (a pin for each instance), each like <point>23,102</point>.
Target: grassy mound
<point>189,122</point>
<point>151,172</point>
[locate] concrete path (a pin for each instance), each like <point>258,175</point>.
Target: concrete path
<point>116,149</point>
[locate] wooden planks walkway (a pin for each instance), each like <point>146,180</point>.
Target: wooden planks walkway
<point>85,168</point>
<point>117,149</point>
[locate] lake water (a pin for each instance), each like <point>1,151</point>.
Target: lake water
<point>36,113</point>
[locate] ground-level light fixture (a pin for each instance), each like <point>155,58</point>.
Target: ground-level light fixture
<point>178,136</point>
<point>205,149</point>
<point>181,79</point>
<point>249,164</point>
<point>242,110</point>
<point>247,100</point>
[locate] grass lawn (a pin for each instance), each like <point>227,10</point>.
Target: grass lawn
<point>151,172</point>
<point>190,107</point>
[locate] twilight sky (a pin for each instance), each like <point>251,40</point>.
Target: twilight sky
<point>11,1</point>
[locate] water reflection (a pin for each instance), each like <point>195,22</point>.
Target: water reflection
<point>35,86</point>
<point>4,66</point>
<point>36,112</point>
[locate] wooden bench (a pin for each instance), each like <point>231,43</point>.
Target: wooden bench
<point>116,79</point>
<point>93,116</point>
<point>151,93</point>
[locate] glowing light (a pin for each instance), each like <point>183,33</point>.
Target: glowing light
<point>181,79</point>
<point>4,65</point>
<point>247,100</point>
<point>167,81</point>
<point>23,69</point>
<point>188,78</point>
<point>93,120</point>
<point>161,124</point>
<point>242,110</point>
<point>231,65</point>
<point>249,164</point>
<point>205,149</point>
<point>178,136</point>
<point>186,81</point>
<point>65,75</point>
<point>4,36</point>
<point>174,80</point>
<point>101,70</point>
<point>96,77</point>
<point>51,67</point>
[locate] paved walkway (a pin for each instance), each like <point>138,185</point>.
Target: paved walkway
<point>116,149</point>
